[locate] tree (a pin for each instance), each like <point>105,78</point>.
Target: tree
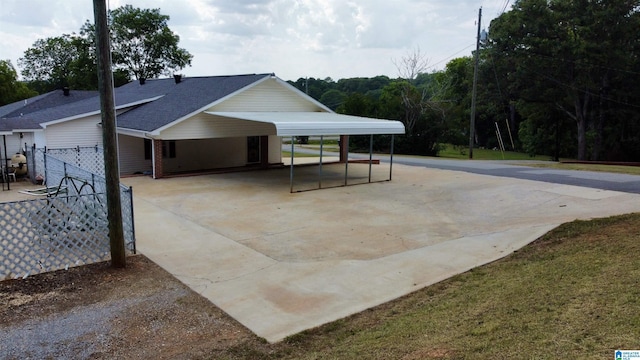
<point>332,98</point>
<point>313,87</point>
<point>577,56</point>
<point>51,60</point>
<point>63,61</point>
<point>12,90</point>
<point>143,44</point>
<point>456,97</point>
<point>422,113</point>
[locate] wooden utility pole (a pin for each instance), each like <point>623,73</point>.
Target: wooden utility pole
<point>109,136</point>
<point>472,126</point>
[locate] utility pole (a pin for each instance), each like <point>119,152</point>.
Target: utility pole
<point>109,136</point>
<point>472,126</point>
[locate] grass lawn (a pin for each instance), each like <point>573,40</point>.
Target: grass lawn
<point>453,152</point>
<point>287,155</point>
<point>573,294</point>
<point>457,152</point>
<point>632,170</point>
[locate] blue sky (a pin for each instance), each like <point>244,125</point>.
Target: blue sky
<point>292,38</point>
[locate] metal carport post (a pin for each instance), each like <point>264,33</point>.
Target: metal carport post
<point>291,166</point>
<point>346,166</point>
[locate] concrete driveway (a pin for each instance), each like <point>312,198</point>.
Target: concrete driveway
<point>281,263</point>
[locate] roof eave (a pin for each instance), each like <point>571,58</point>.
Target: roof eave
<point>132,132</point>
<point>95,112</point>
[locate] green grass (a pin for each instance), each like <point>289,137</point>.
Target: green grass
<point>287,155</point>
<point>632,170</point>
<point>458,152</point>
<point>574,293</point>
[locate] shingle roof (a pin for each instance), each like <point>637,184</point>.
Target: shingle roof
<point>175,102</point>
<point>178,100</point>
<point>18,115</point>
<point>45,101</point>
<point>10,124</point>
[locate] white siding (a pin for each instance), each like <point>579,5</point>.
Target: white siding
<point>275,149</point>
<point>131,154</point>
<point>207,154</point>
<point>268,95</point>
<point>40,139</point>
<point>80,132</point>
<point>15,144</point>
<point>205,126</point>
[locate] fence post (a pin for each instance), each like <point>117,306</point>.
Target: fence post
<point>34,165</point>
<point>133,223</point>
<point>46,176</point>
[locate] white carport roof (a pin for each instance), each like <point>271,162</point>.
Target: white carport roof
<point>318,123</point>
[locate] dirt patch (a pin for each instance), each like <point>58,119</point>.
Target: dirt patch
<point>98,312</point>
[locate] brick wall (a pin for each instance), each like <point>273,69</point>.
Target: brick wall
<point>157,159</point>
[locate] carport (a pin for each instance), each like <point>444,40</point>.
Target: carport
<point>292,124</point>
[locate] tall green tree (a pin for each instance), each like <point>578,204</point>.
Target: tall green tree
<point>12,90</point>
<point>458,74</point>
<point>51,60</point>
<point>143,45</point>
<point>575,56</point>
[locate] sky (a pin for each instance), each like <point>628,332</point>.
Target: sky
<point>291,38</point>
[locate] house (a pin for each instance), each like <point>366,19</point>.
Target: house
<point>17,126</point>
<point>179,125</point>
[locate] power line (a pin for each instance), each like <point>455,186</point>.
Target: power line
<point>449,57</point>
<point>504,8</point>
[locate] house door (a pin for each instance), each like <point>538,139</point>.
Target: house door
<point>253,149</point>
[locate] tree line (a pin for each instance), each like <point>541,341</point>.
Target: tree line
<point>555,78</point>
<point>143,46</point>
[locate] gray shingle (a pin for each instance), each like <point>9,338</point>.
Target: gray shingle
<point>42,102</point>
<point>177,100</point>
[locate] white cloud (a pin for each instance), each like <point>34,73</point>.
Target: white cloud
<point>293,38</point>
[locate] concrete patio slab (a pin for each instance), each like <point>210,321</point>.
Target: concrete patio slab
<point>281,263</point>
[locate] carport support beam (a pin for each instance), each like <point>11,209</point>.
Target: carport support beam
<point>320,166</point>
<point>391,157</point>
<point>291,169</point>
<point>370,154</point>
<point>346,160</point>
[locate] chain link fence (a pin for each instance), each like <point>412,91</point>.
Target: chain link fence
<point>66,226</point>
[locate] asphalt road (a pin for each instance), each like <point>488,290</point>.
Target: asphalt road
<point>514,169</point>
<point>591,179</point>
